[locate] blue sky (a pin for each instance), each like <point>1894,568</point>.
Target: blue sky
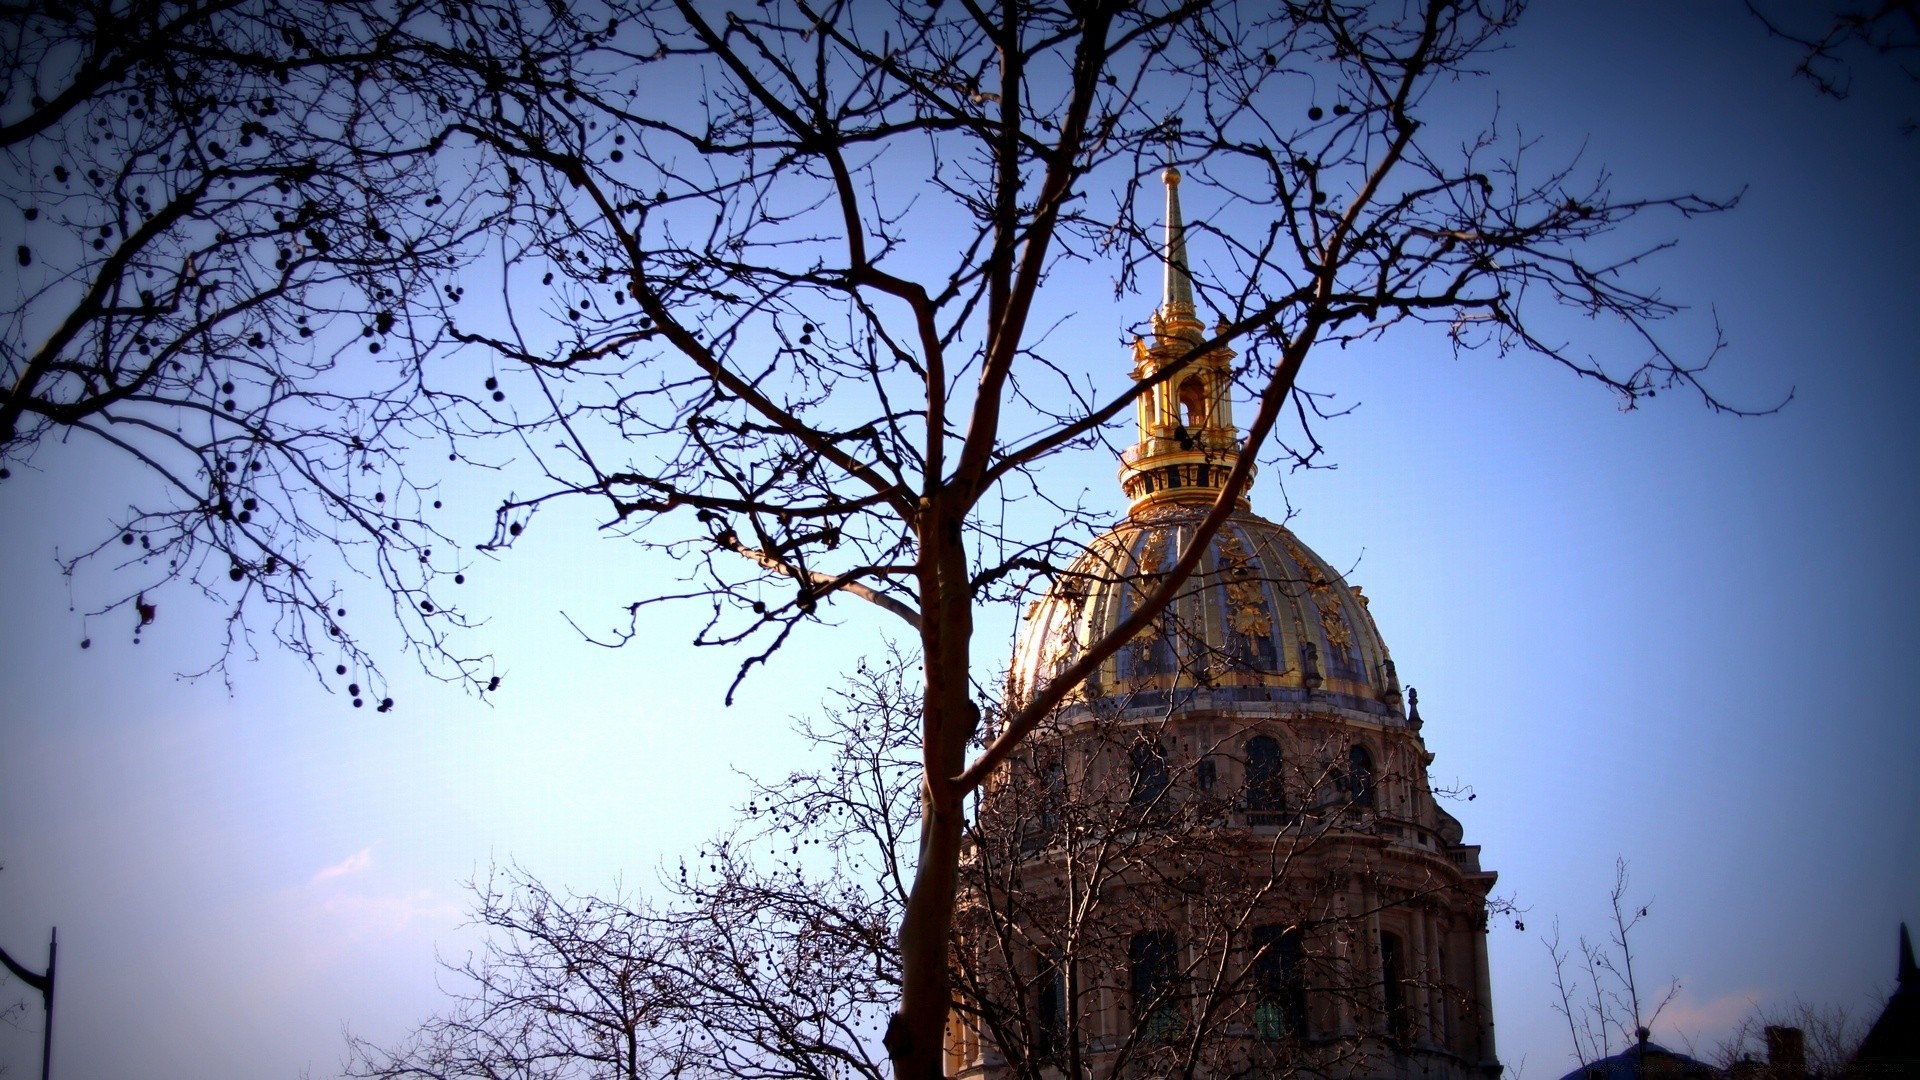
<point>1680,638</point>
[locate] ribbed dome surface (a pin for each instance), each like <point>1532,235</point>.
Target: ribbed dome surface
<point>1263,618</point>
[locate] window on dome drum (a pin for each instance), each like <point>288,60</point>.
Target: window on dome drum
<point>1206,774</point>
<point>1265,795</point>
<point>1049,1010</point>
<point>1043,827</point>
<point>1153,970</point>
<point>1279,984</point>
<point>1148,787</point>
<point>1393,989</point>
<point>1053,795</point>
<point>1359,777</point>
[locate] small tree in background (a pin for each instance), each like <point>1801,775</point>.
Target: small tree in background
<point>774,954</point>
<point>1607,1014</point>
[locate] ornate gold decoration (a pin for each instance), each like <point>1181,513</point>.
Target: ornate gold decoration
<point>1246,601</point>
<point>1252,619</point>
<point>1063,629</point>
<point>1062,645</point>
<point>1169,514</point>
<point>1320,590</point>
<point>1153,556</point>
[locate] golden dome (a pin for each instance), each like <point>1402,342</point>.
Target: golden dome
<point>1263,618</point>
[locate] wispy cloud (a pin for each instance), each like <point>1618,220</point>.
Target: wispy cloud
<point>348,907</point>
<point>352,864</point>
<point>363,916</point>
<point>1702,1023</point>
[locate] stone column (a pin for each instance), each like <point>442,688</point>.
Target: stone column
<point>1420,973</point>
<point>1483,997</point>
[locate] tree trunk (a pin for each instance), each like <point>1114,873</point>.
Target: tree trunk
<point>916,1034</point>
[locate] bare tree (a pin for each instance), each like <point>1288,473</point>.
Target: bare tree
<point>778,288</point>
<point>566,986</point>
<point>10,1015</point>
<point>1607,1011</point>
<point>771,955</point>
<point>746,346</point>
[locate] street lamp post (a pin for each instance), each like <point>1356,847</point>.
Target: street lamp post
<point>44,984</point>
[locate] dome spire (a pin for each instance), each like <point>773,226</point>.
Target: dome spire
<point>1188,443</point>
<point>1177,293</point>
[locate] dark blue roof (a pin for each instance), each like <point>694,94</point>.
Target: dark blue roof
<point>1660,1064</point>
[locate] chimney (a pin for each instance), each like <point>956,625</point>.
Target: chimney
<point>1787,1053</point>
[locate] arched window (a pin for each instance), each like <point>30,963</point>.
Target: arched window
<point>1149,779</point>
<point>1153,972</point>
<point>1393,989</point>
<point>1193,403</point>
<point>1279,984</point>
<point>1359,777</point>
<point>1265,794</point>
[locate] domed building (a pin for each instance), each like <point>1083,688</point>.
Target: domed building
<point>1222,856</point>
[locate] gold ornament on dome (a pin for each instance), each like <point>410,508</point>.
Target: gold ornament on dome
<point>1244,595</point>
<point>1060,649</point>
<point>1063,634</point>
<point>1252,620</point>
<point>1324,600</point>
<point>1153,555</point>
<point>1337,633</point>
<point>1234,553</point>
